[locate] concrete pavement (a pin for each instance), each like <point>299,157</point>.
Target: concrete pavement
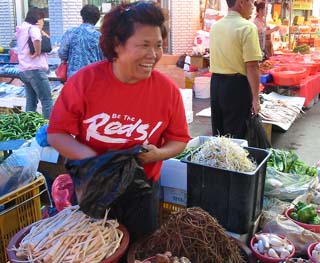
<point>303,136</point>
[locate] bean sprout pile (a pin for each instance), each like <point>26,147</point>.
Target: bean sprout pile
<point>222,152</point>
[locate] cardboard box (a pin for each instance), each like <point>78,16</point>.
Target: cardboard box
<point>199,62</point>
<point>189,78</point>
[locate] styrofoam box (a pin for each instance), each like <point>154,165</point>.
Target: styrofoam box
<point>175,196</point>
<point>189,116</point>
<point>187,95</point>
<point>173,177</point>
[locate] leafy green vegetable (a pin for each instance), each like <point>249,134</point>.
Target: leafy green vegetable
<point>186,152</point>
<point>288,162</point>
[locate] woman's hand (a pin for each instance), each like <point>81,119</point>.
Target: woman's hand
<point>152,154</point>
<point>168,150</point>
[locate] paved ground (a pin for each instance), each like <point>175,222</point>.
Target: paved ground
<point>303,136</point>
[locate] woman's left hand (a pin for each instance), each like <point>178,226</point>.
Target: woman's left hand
<point>152,154</point>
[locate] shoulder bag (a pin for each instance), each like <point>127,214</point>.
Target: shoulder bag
<point>61,71</point>
<point>45,45</point>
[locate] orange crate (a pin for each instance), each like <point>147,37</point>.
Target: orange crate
<point>166,209</point>
<point>22,207</point>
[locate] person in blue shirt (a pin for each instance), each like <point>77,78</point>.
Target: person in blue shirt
<point>80,45</point>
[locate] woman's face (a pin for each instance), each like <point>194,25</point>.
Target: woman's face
<point>139,55</point>
<point>261,12</point>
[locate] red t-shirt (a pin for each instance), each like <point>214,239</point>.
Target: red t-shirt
<point>104,113</point>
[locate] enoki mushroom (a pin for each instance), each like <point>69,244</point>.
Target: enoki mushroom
<point>192,233</point>
<point>70,236</point>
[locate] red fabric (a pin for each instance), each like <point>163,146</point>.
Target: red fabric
<point>105,114</point>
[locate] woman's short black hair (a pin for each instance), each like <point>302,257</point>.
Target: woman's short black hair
<point>90,14</point>
<point>119,24</point>
<point>34,14</point>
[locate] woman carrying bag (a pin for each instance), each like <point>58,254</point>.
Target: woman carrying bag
<point>34,66</point>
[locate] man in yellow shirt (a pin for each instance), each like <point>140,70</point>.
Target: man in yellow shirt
<point>234,56</point>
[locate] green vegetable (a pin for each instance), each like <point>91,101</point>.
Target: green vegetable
<point>294,215</point>
<point>316,220</point>
<point>288,162</point>
<point>22,125</point>
<point>307,213</point>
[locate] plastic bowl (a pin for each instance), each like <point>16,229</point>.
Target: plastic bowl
<point>16,239</point>
<point>310,249</point>
<point>288,75</point>
<point>268,259</point>
<point>313,67</point>
<point>296,260</point>
<point>311,227</point>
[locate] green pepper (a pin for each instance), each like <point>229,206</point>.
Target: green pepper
<point>316,220</point>
<point>294,215</point>
<point>299,205</point>
<point>307,213</point>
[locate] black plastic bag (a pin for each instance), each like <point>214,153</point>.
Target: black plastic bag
<point>255,134</point>
<point>101,181</point>
<point>45,45</point>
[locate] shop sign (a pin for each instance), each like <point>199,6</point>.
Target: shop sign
<point>302,4</point>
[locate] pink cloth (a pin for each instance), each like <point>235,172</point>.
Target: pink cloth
<point>26,62</point>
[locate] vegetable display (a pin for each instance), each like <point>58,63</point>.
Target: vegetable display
<point>305,213</point>
<point>272,246</point>
<point>192,233</point>
<point>165,258</point>
<point>22,125</point>
<point>70,236</point>
<point>296,260</point>
<point>222,152</point>
<point>288,162</point>
<point>316,252</point>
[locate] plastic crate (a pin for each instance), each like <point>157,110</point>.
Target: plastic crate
<point>21,208</point>
<point>4,57</point>
<point>166,209</point>
<point>233,198</point>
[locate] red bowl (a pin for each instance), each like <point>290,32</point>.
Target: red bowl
<point>310,249</point>
<point>288,75</point>
<point>267,259</point>
<point>313,67</point>
<point>16,239</point>
<point>311,227</point>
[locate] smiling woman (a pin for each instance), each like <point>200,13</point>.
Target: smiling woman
<point>123,102</point>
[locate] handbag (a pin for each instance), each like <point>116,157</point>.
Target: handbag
<point>45,45</point>
<point>61,71</point>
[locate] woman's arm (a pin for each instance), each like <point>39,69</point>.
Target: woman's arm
<point>168,150</point>
<point>64,46</point>
<point>69,147</point>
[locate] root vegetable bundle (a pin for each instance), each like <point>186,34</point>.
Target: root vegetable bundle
<point>70,236</point>
<point>192,233</point>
